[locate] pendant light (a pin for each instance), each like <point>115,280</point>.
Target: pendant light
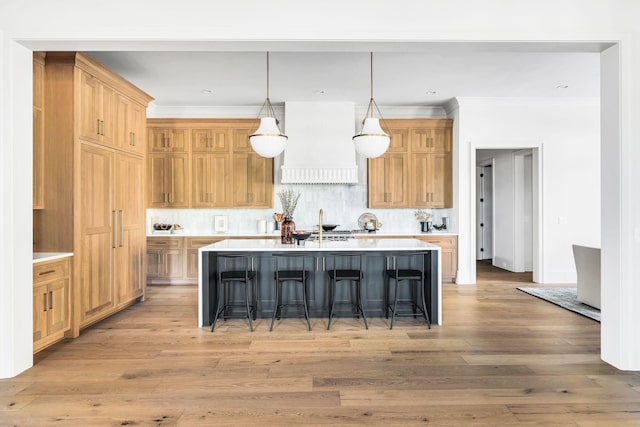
<point>372,141</point>
<point>268,141</point>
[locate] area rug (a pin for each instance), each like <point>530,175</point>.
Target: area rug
<point>565,298</point>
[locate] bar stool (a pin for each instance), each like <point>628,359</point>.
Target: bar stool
<point>349,275</point>
<point>243,277</point>
<point>411,276</point>
<point>297,276</point>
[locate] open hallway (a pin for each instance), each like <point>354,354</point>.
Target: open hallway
<point>502,358</point>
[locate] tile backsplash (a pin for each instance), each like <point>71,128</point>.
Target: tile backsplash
<point>342,204</point>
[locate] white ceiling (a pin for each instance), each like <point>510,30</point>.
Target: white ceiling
<point>401,77</point>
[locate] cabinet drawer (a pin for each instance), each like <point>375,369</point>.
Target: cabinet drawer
<point>165,243</point>
<point>45,271</point>
<point>198,242</point>
<point>444,242</point>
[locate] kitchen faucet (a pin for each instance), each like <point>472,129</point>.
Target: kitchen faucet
<point>320,218</point>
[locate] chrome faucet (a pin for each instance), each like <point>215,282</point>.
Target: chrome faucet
<point>320,218</point>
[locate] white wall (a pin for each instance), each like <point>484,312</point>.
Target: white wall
<point>503,202</point>
<point>43,24</point>
<point>569,133</point>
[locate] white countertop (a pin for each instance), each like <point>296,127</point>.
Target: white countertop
<point>379,233</point>
<point>49,256</point>
<point>271,245</point>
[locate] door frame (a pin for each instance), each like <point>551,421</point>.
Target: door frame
<point>537,150</point>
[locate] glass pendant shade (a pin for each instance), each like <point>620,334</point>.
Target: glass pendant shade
<point>372,141</point>
<point>267,141</point>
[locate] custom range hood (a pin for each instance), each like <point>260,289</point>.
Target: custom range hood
<point>319,149</point>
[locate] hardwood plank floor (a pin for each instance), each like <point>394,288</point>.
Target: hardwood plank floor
<point>502,358</point>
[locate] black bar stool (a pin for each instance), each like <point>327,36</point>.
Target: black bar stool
<point>298,276</point>
<point>349,271</point>
<point>412,276</point>
<point>234,276</point>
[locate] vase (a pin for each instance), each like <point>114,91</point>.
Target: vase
<point>286,230</point>
<point>425,226</point>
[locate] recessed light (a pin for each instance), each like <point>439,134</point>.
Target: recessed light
<point>431,92</point>
<point>562,86</point>
<point>207,91</point>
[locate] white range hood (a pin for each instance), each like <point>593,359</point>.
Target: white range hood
<point>319,149</point>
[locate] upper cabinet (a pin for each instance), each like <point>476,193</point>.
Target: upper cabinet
<point>131,125</point>
<point>416,171</point>
<point>97,110</point>
<point>38,130</point>
<point>162,140</point>
<point>216,168</point>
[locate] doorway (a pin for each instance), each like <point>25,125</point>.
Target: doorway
<point>506,194</point>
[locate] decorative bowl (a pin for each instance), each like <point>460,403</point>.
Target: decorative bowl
<point>301,236</point>
<point>328,227</point>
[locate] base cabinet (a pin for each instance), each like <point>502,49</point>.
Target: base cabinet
<point>449,254</point>
<point>173,260</point>
<point>51,304</point>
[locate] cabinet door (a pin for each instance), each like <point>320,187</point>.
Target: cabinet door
<point>173,262</point>
<point>130,125</point>
<point>240,138</point>
<point>131,227</point>
<point>211,180</point>
<point>253,181</point>
<point>167,180</point>
<point>431,180</point>
<point>210,140</point>
<point>388,177</point>
<point>58,310</point>
<point>97,110</point>
<point>399,140</point>
<point>97,219</point>
<point>154,263</point>
<point>40,315</point>
<point>435,140</point>
<point>168,140</point>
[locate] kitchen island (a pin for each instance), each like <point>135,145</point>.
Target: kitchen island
<point>378,255</point>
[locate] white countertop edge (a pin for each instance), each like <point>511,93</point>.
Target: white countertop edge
<point>360,245</point>
<point>49,256</point>
<point>379,233</point>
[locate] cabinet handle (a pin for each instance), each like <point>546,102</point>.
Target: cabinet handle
<point>170,197</point>
<point>50,300</point>
<point>42,273</point>
<point>98,127</point>
<point>115,226</point>
<point>132,139</point>
<point>45,301</point>
<point>121,228</point>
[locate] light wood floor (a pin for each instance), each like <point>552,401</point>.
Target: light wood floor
<point>502,358</point>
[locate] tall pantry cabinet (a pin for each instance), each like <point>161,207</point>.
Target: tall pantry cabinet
<point>95,131</point>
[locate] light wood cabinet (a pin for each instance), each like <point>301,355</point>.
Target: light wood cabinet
<point>252,181</point>
<point>210,177</point>
<point>97,234</point>
<point>221,170</point>
<point>95,208</point>
<point>51,303</point>
<point>432,180</point>
<point>422,148</point>
<point>38,130</point>
<point>97,114</point>
<point>173,260</point>
<point>449,253</point>
<point>168,180</point>
<point>388,181</point>
<point>210,140</point>
<point>163,140</point>
<point>165,259</point>
<point>130,133</point>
